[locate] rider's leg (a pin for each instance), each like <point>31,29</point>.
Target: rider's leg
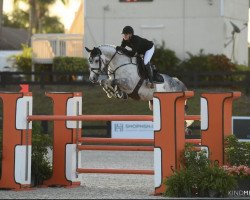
<point>151,69</point>
<point>157,77</point>
<point>147,57</point>
<point>150,75</point>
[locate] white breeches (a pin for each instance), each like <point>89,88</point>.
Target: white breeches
<point>148,55</point>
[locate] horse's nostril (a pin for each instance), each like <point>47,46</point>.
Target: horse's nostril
<point>93,79</point>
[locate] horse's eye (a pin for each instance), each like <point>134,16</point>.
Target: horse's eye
<point>96,61</point>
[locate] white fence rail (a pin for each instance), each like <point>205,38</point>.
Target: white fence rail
<point>47,46</point>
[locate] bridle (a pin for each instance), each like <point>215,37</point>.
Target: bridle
<point>105,70</point>
<point>100,70</point>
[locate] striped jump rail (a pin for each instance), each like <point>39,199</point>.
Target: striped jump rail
<point>193,117</point>
<point>99,118</point>
<point>115,171</point>
<point>115,148</point>
<point>111,140</point>
<point>90,118</point>
<point>127,141</point>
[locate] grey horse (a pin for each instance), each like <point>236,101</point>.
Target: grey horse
<point>120,73</point>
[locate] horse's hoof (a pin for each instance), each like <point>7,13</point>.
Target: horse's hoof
<point>109,95</point>
<point>125,96</point>
<point>188,131</point>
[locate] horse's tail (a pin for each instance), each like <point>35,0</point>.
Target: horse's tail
<point>181,85</point>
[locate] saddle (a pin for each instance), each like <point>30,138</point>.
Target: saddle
<point>142,71</point>
<point>142,74</point>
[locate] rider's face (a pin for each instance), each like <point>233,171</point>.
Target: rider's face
<point>126,36</point>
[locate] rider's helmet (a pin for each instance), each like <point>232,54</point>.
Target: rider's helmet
<point>128,30</point>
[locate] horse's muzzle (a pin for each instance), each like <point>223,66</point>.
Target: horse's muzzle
<point>93,79</point>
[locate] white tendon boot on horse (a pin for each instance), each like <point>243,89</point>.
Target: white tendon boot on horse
<point>107,88</point>
<point>150,105</point>
<point>109,92</point>
<point>120,94</point>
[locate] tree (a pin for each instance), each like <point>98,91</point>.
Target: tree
<point>20,19</point>
<point>1,17</point>
<point>38,11</point>
<point>17,19</point>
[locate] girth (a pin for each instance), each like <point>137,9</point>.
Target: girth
<point>134,95</point>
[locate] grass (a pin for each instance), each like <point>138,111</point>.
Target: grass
<point>95,101</point>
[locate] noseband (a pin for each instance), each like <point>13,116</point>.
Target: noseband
<point>99,69</point>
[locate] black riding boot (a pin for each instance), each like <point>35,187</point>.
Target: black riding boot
<point>150,74</point>
<point>156,76</point>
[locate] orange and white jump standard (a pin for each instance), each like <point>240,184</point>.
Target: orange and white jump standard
<point>169,117</point>
<point>16,141</point>
<point>169,138</point>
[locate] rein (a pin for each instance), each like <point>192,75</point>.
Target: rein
<point>100,70</point>
<point>113,72</point>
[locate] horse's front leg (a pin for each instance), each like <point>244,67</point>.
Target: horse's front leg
<point>107,83</point>
<point>112,89</point>
<point>106,86</point>
<point>119,86</point>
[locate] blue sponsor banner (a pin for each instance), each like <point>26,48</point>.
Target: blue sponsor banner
<point>132,129</point>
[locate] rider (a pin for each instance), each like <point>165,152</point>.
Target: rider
<point>140,46</point>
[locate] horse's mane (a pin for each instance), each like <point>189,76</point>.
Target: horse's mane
<point>114,47</point>
<point>107,45</point>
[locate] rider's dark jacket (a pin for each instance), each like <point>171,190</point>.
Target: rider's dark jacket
<point>137,44</point>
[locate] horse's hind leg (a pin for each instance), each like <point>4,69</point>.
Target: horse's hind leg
<point>150,105</point>
<point>188,123</point>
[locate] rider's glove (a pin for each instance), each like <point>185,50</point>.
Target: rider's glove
<point>119,48</point>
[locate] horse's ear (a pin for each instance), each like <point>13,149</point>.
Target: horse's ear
<point>87,49</point>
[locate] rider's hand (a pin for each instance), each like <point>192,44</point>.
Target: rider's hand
<point>119,48</point>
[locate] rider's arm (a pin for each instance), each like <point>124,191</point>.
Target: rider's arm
<point>123,44</point>
<point>128,53</point>
<point>125,51</point>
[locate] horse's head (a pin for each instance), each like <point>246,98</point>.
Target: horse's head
<point>97,62</point>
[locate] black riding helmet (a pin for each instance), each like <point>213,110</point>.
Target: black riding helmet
<point>128,30</point>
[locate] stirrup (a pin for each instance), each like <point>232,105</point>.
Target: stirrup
<point>158,82</point>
